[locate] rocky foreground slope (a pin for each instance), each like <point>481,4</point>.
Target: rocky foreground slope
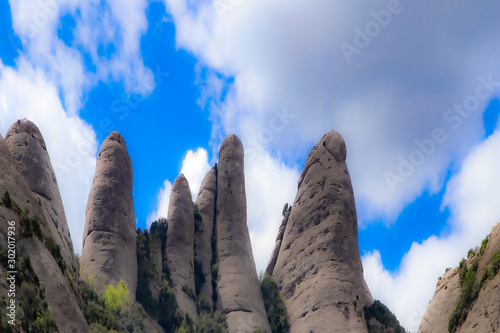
<point>467,298</point>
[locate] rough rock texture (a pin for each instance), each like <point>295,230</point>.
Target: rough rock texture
<point>484,316</point>
<point>239,294</point>
<point>60,294</point>
<point>109,238</point>
<point>27,146</point>
<point>318,268</point>
<point>179,249</point>
<point>438,312</point>
<point>203,236</point>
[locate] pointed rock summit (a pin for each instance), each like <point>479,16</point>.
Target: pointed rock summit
<point>109,237</point>
<point>239,294</point>
<point>317,263</point>
<point>205,203</point>
<point>27,146</point>
<point>180,249</point>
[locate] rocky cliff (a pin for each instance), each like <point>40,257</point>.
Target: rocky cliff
<point>467,297</point>
<point>316,260</point>
<point>109,252</point>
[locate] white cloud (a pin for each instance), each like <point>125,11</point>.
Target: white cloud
<point>71,143</point>
<point>471,197</point>
<point>51,79</point>
<point>163,202</point>
<point>194,167</point>
<point>269,185</point>
<point>395,91</point>
<point>98,26</point>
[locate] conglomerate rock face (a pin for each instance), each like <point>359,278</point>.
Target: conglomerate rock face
<point>109,251</point>
<point>180,246</point>
<point>318,267</point>
<point>28,149</point>
<point>239,294</point>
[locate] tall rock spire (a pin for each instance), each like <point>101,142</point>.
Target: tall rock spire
<point>205,202</point>
<point>109,238</point>
<point>317,262</point>
<point>60,292</point>
<point>27,146</point>
<point>239,294</point>
<point>180,246</point>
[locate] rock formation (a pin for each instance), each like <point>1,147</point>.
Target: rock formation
<point>315,262</point>
<point>483,312</point>
<point>318,267</point>
<point>205,203</point>
<point>439,310</point>
<point>180,246</point>
<point>60,293</point>
<point>27,146</point>
<point>239,295</point>
<point>109,238</point>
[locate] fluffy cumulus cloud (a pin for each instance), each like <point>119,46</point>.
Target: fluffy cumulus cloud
<point>471,197</point>
<point>194,167</point>
<point>57,65</point>
<point>162,205</point>
<point>71,143</point>
<point>383,73</point>
<point>269,185</point>
<point>100,41</point>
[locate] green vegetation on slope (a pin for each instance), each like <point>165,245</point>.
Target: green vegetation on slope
<point>165,309</point>
<point>384,316</point>
<point>275,305</point>
<point>471,285</point>
<point>33,313</point>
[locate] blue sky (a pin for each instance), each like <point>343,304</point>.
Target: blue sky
<point>175,77</point>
